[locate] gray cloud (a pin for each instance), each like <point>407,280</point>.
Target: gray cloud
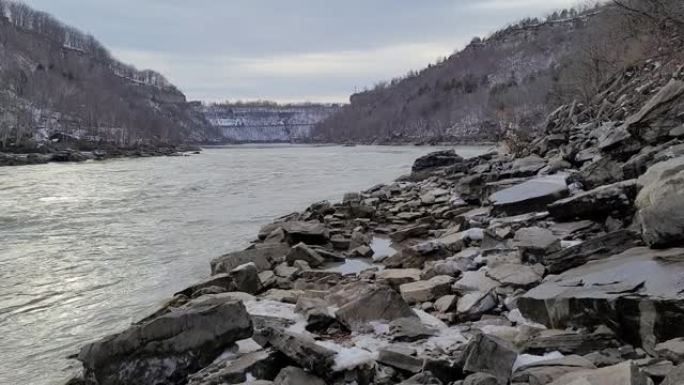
<point>287,50</point>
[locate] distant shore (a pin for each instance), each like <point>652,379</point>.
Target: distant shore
<point>70,155</point>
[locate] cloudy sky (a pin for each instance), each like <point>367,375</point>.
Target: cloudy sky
<point>287,50</point>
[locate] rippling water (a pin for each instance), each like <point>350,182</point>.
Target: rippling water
<point>85,249</point>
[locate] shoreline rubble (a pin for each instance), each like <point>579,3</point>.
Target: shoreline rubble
<point>508,269</point>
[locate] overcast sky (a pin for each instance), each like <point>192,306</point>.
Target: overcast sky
<point>287,50</point>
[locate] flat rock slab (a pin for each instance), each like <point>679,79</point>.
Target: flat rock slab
<point>622,374</point>
<point>597,203</point>
<point>423,291</point>
<point>595,248</point>
<point>398,277</point>
<point>640,292</point>
<point>376,304</point>
<point>531,196</point>
<point>515,275</point>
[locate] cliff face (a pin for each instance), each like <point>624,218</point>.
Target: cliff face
<point>267,123</point>
<point>506,81</point>
<point>56,80</point>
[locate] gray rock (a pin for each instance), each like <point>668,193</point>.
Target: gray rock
<point>436,159</point>
<point>475,281</point>
<point>398,277</point>
<point>473,305</point>
<point>533,195</point>
<point>675,377</point>
<point>310,233</point>
<point>601,171</point>
<point>167,348</point>
<point>246,278</point>
<point>262,364</point>
<point>409,232</point>
<point>637,292</point>
<point>303,350</point>
<point>490,355</point>
<point>446,303</point>
<point>376,304</point>
<point>316,312</point>
<point>361,252</point>
<point>423,291</point>
<point>424,378</point>
<point>302,252</point>
<point>292,375</point>
<point>535,242</point>
<point>596,248</point>
<point>570,342</point>
<point>672,350</point>
<point>399,358</point>
<point>515,275</point>
<point>659,115</point>
<point>263,257</point>
<point>340,242</point>
<point>223,281</point>
<point>481,379</point>
<point>626,373</point>
<point>661,203</point>
<point>617,198</point>
<point>544,372</point>
<point>409,329</point>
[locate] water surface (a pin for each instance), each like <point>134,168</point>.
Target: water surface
<point>86,249</point>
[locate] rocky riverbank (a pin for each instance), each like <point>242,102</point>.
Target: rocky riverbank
<point>561,264</point>
<point>70,155</point>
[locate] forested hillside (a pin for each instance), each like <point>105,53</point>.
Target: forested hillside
<point>511,80</point>
<point>55,80</point>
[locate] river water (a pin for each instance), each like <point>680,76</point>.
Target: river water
<point>86,249</point>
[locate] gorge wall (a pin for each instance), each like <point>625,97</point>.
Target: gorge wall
<point>267,122</point>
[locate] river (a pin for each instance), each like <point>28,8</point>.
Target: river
<point>88,248</point>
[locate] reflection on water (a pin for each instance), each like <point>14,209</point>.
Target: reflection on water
<point>88,248</point>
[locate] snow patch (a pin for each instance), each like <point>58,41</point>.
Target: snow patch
<point>527,359</point>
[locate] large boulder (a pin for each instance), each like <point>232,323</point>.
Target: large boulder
<point>616,199</point>
<point>661,203</point>
<point>166,349</point>
<point>533,195</point>
<point>638,293</point>
<point>659,115</point>
<point>436,159</point>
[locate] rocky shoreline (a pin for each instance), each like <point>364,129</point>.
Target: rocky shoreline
<point>560,264</point>
<point>70,155</point>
